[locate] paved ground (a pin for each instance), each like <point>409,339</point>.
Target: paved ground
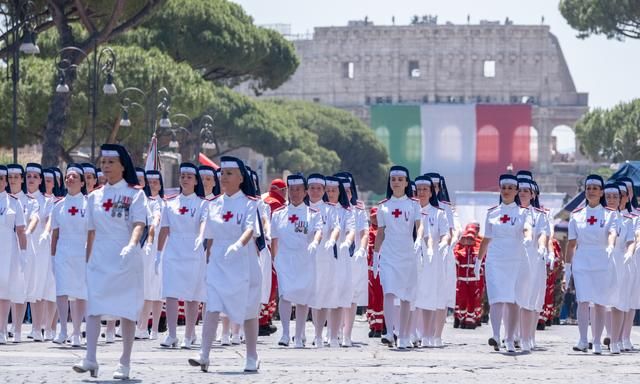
<point>465,358</point>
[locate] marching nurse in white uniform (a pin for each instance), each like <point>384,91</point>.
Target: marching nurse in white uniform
<point>20,275</point>
<point>622,257</point>
<point>233,270</point>
<point>430,296</point>
<point>395,251</point>
<point>154,190</point>
<point>183,267</point>
<point>210,182</point>
<point>68,239</point>
<point>116,214</point>
<point>12,226</point>
<point>592,237</point>
<point>506,229</point>
<point>296,232</point>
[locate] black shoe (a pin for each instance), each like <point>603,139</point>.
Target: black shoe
<point>478,323</point>
<point>456,323</point>
<point>377,334</point>
<point>540,326</point>
<point>371,332</point>
<point>264,330</point>
<point>607,342</point>
<point>548,323</point>
<point>494,343</point>
<point>461,326</point>
<point>273,329</point>
<point>469,326</point>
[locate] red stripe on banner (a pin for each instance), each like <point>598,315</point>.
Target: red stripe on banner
<point>503,139</point>
<point>204,160</point>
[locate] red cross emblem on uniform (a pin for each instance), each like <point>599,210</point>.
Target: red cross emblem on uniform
<point>227,216</point>
<point>107,205</point>
<point>396,213</point>
<point>592,220</point>
<point>293,219</point>
<point>73,211</point>
<point>505,218</point>
<point>183,210</point>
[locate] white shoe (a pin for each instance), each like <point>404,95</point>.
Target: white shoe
<point>186,343</point>
<point>403,343</point>
<point>225,340</point>
<point>31,334</point>
<point>110,337</point>
<point>60,339</point>
<point>200,362</point>
<point>169,342</point>
<point>252,365</point>
<point>437,342</point>
<point>346,343</point>
<point>121,372</point>
<point>86,366</point>
<point>17,338</point>
<point>510,346</point>
<point>153,335</point>
<point>627,346</point>
<point>36,336</point>
<point>284,341</point>
<point>235,340</point>
<point>424,342</point>
<point>614,348</point>
<point>333,343</point>
<point>581,347</point>
<point>298,344</point>
<point>3,338</point>
<point>76,341</point>
<point>388,340</point>
<point>319,342</point>
<point>118,332</point>
<point>597,349</point>
<point>525,345</point>
<point>142,334</point>
<point>49,335</point>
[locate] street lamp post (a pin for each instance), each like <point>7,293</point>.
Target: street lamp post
<point>20,17</point>
<point>207,138</point>
<point>126,103</point>
<point>104,62</point>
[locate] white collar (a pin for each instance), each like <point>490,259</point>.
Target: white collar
<point>189,196</point>
<point>79,194</point>
<point>317,203</point>
<point>301,205</point>
<point>404,197</point>
<point>513,204</point>
<point>235,195</point>
<point>119,184</point>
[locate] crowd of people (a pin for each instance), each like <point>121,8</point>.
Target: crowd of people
<point>106,244</point>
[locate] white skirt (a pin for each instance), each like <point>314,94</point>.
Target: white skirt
<point>296,275</point>
<point>622,290</point>
<point>266,267</point>
<point>71,268</point>
<point>183,269</point>
<point>360,281</point>
<point>330,280</point>
<point>398,272</point>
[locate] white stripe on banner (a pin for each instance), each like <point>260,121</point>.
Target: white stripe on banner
<point>449,144</point>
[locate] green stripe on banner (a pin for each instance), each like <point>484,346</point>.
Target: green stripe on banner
<point>399,128</point>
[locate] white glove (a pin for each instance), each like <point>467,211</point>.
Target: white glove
<point>233,248</point>
<point>477,267</point>
<point>417,245</point>
<point>344,245</point>
<point>429,254</point>
<point>198,243</point>
<point>374,267</point>
<point>359,253</point>
<point>567,273</point>
<point>609,252</point>
<point>312,248</point>
<point>628,257</point>
<point>267,240</point>
<point>126,251</point>
<point>552,262</point>
<point>23,258</point>
<point>157,261</point>
<point>43,238</point>
<point>542,253</point>
<point>329,244</point>
<point>147,248</point>
<point>526,243</point>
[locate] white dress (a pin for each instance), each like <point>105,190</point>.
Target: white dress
<point>11,274</point>
<point>115,286</point>
<point>295,228</point>
<point>533,270</point>
<point>327,289</point>
<point>342,292</point>
<point>183,268</point>
<point>431,292</point>
<point>153,280</point>
<point>449,278</point>
<point>504,225</point>
<point>31,209</point>
<point>398,272</point>
<point>359,267</point>
<point>265,256</point>
<point>592,272</point>
<point>622,289</point>
<point>69,217</point>
<point>233,282</point>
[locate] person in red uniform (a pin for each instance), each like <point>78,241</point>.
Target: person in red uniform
<point>275,199</point>
<point>375,315</point>
<point>549,308</point>
<point>468,294</point>
<point>479,312</point>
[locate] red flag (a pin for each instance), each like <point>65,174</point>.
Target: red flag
<point>204,160</point>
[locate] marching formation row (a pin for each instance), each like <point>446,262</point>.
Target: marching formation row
<point>107,244</point>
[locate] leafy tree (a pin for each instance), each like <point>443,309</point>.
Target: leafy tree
<point>611,135</point>
<point>220,40</point>
<point>613,18</point>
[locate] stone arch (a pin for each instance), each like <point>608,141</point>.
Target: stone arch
<point>488,145</point>
<point>563,144</point>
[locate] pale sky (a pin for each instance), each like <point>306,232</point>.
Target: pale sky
<point>606,69</point>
